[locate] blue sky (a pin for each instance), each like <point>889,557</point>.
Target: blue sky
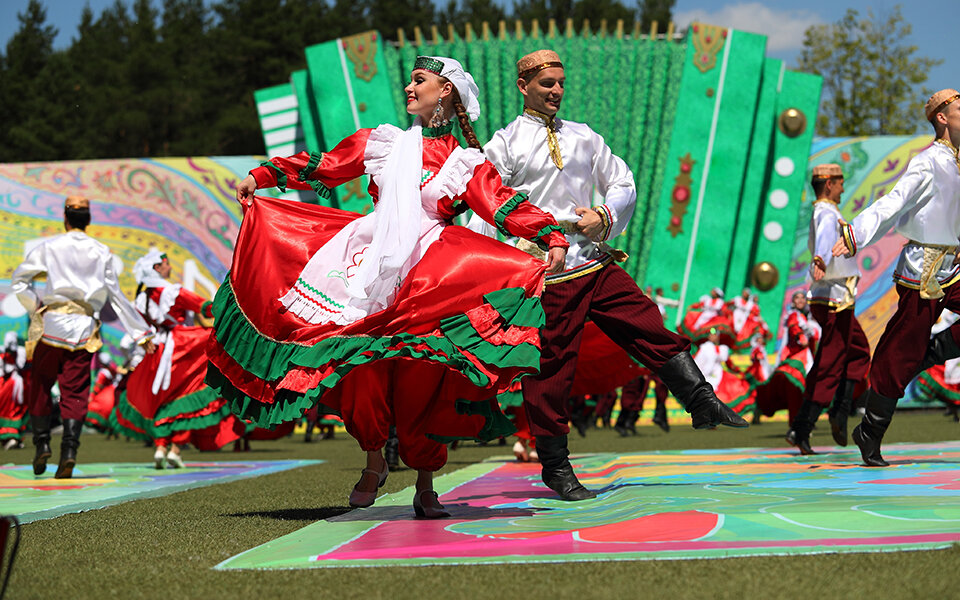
<point>934,23</point>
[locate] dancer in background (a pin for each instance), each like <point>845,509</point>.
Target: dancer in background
<point>922,207</point>
<point>13,409</point>
<point>843,355</point>
<point>64,327</point>
<point>165,398</point>
<point>393,318</point>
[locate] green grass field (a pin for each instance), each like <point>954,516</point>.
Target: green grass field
<point>165,547</point>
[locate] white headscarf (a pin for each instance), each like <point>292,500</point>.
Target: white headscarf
<point>463,81</point>
<point>144,272</point>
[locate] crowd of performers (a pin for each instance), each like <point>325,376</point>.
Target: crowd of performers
<point>417,332</point>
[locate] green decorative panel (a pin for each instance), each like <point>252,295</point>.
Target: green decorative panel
<point>307,109</point>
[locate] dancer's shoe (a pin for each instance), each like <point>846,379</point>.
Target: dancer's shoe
<point>802,444</point>
<point>158,457</point>
<point>660,418</point>
<point>360,499</point>
<point>41,439</point>
<point>175,460</point>
<point>868,435</point>
<point>520,452</point>
<point>556,470</point>
<point>426,504</point>
<point>68,448</point>
<point>685,379</point>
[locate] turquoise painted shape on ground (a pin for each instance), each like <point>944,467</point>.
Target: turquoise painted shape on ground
<point>657,505</point>
<point>98,485</point>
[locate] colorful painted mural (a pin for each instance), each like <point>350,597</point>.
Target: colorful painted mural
<point>184,206</point>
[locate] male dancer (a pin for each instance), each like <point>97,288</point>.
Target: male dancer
<point>843,354</point>
<point>558,164</point>
<point>923,207</point>
<point>65,327</point>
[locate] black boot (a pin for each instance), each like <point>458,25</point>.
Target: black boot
<point>660,417</point>
<point>557,473</point>
<point>632,419</point>
<point>869,433</point>
<point>41,439</point>
<point>391,450</point>
<point>940,349</point>
<point>683,377</point>
<point>799,434</point>
<point>840,410</point>
<point>621,425</point>
<point>68,448</point>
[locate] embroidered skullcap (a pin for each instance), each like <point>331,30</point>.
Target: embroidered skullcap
<point>143,270</point>
<point>938,101</point>
<point>826,171</point>
<point>76,202</point>
<point>455,73</point>
<point>537,61</point>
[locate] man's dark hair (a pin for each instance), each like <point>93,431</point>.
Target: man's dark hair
<point>77,218</point>
<point>818,185</point>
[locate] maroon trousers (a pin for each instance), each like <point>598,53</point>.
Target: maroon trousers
<point>69,368</point>
<point>613,301</point>
<point>904,341</point>
<point>843,353</point>
<point>634,393</point>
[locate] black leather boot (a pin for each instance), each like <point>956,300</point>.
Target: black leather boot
<point>799,434</point>
<point>683,377</point>
<point>660,417</point>
<point>869,433</point>
<point>557,473</point>
<point>391,450</point>
<point>68,448</point>
<point>940,349</point>
<point>621,425</point>
<point>41,439</point>
<point>840,411</point>
<point>632,419</point>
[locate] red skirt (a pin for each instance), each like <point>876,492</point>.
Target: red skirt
<point>187,405</point>
<point>100,408</point>
<point>722,323</point>
<point>932,387</point>
<point>13,414</point>
<point>602,365</point>
<point>464,324</point>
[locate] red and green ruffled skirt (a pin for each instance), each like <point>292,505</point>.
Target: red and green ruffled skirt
<point>188,411</point>
<point>464,324</point>
<point>13,413</point>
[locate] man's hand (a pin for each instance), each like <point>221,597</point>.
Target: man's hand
<point>246,189</point>
<point>840,248</point>
<point>818,268</point>
<point>149,347</point>
<point>590,223</point>
<point>556,259</point>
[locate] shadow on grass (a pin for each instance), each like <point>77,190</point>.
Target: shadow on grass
<point>297,514</point>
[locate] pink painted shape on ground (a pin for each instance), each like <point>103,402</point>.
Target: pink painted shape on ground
<point>944,480</point>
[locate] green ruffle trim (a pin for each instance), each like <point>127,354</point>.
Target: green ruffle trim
<point>15,423</point>
<point>496,424</point>
<point>135,418</point>
<point>189,403</point>
<point>270,360</point>
<point>510,399</point>
<point>96,419</point>
<point>281,176</point>
<point>206,309</point>
<point>435,132</point>
<point>508,207</point>
<point>312,164</point>
<point>798,366</point>
<point>538,239</point>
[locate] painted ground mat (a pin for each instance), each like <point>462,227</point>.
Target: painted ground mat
<point>98,485</point>
<point>658,505</point>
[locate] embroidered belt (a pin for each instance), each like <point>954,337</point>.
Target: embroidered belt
<point>70,307</point>
<point>933,256</point>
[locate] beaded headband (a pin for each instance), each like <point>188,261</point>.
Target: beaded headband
<point>538,68</point>
<point>428,64</point>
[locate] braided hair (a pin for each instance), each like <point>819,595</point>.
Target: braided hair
<point>464,119</point>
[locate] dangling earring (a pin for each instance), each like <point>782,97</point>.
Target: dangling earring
<point>437,119</point>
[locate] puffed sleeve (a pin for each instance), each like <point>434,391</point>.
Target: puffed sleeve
<point>614,181</point>
<point>131,320</point>
<point>509,210</point>
<point>877,219</point>
<point>193,302</point>
<point>34,265</point>
<point>318,171</point>
<point>497,152</point>
<point>826,233</point>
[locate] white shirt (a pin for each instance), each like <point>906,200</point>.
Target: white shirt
<point>78,268</point>
<point>923,206</point>
<point>710,358</point>
<point>520,153</point>
<point>824,233</point>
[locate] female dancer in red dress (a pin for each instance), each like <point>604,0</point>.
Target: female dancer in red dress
<point>165,398</point>
<point>396,317</point>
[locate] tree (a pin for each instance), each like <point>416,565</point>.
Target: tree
<point>872,81</point>
<point>599,10</point>
<point>660,11</point>
<point>475,12</point>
